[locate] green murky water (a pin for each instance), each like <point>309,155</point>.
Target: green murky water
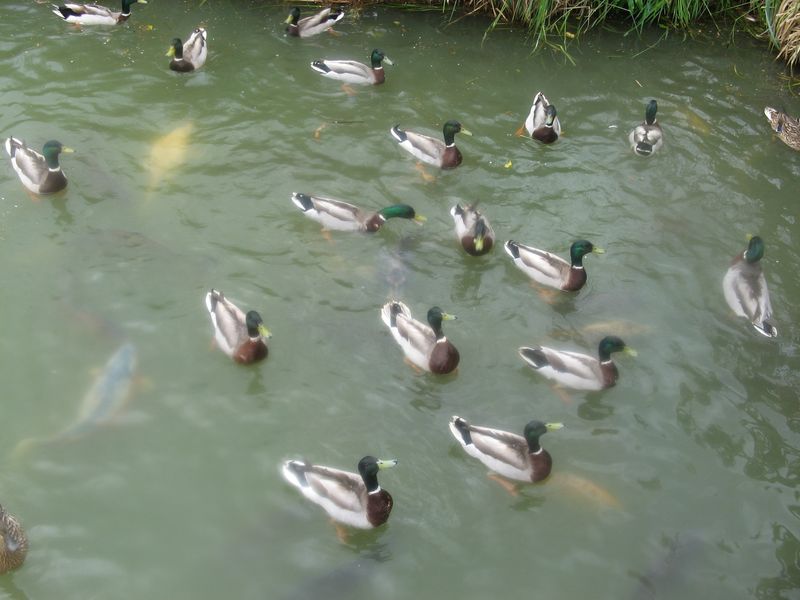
<point>681,480</point>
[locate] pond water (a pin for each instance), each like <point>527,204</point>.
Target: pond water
<point>681,481</point>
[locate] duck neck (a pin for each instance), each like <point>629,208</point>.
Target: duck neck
<point>371,481</point>
<point>533,445</point>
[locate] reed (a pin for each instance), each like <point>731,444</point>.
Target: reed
<point>784,28</point>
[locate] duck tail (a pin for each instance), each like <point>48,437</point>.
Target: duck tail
<point>644,149</point>
<point>398,134</point>
<point>535,357</point>
<point>302,201</point>
<point>512,249</point>
<point>294,471</point>
<point>767,329</point>
<point>390,311</point>
<point>320,66</point>
<point>460,429</point>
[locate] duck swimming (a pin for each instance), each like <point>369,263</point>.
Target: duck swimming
<point>576,370</point>
<point>351,71</point>
<point>313,25</point>
<point>241,336</point>
<point>551,270</point>
<point>425,346</point>
<point>430,150</point>
<point>787,128</point>
<point>472,229</point>
<point>745,288</point>
<point>647,138</point>
<point>191,55</point>
<point>39,173</point>
<point>349,498</point>
<point>13,542</point>
<point>542,123</point>
<point>94,14</point>
<point>516,457</point>
<point>338,215</point>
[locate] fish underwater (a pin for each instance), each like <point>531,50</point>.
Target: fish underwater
<point>105,400</point>
<point>166,154</point>
<point>666,577</point>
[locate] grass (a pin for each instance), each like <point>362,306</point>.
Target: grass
<point>784,28</point>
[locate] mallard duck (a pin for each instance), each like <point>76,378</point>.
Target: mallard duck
<point>542,123</point>
<point>429,149</point>
<point>473,229</point>
<point>575,370</point>
<point>13,542</point>
<point>94,14</point>
<point>242,337</point>
<point>343,216</point>
<point>787,128</point>
<point>646,138</point>
<point>191,55</point>
<point>516,457</point>
<point>426,347</point>
<point>39,173</point>
<point>549,269</point>
<point>322,21</point>
<point>351,71</point>
<point>353,499</point>
<point>746,290</point>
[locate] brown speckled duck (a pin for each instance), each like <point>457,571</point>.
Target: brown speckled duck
<point>516,457</point>
<point>787,128</point>
<point>349,498</point>
<point>13,542</point>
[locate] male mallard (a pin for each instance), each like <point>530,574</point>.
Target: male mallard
<point>787,128</point>
<point>429,149</point>
<point>94,14</point>
<point>507,454</point>
<point>575,370</point>
<point>549,269</point>
<point>473,230</point>
<point>355,500</point>
<point>13,542</point>
<point>242,337</point>
<point>40,174</point>
<point>322,21</point>
<point>746,290</point>
<point>646,138</point>
<point>343,216</point>
<point>426,347</point>
<point>351,71</point>
<point>191,55</point>
<point>542,123</point>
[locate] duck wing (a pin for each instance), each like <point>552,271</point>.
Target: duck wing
<point>29,164</point>
<point>425,148</point>
<point>228,320</point>
<point>195,50</point>
<point>746,292</point>
<point>540,265</point>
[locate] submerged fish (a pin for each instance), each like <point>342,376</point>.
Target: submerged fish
<point>587,489</point>
<point>665,577</point>
<point>104,400</point>
<point>167,153</point>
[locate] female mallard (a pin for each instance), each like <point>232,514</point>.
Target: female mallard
<point>39,173</point>
<point>191,55</point>
<point>551,270</point>
<point>646,138</point>
<point>322,21</point>
<point>521,458</point>
<point>787,128</point>
<point>473,230</point>
<point>430,150</point>
<point>746,290</point>
<point>351,71</point>
<point>13,542</point>
<point>542,123</point>
<point>94,14</point>
<point>242,337</point>
<point>426,347</point>
<point>343,216</point>
<point>355,500</point>
<point>575,370</point>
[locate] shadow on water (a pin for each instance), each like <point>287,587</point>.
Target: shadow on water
<point>344,581</point>
<point>666,575</point>
<point>8,586</point>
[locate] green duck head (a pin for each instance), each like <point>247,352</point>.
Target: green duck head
<point>535,429</point>
<point>126,5</point>
<point>368,468</point>
<point>450,129</point>
<point>402,211</point>
<point>175,49</point>
<point>435,318</point>
<point>379,57</point>
<point>611,344</point>
<point>581,248</point>
<point>550,114</point>
<point>650,112</point>
<point>255,326</point>
<point>755,250</point>
<point>294,15</point>
<point>51,151</point>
